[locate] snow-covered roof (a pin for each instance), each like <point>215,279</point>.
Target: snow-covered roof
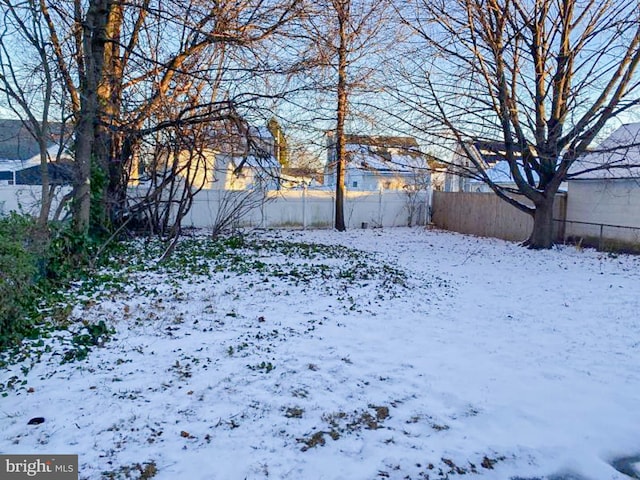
<point>392,157</point>
<point>485,152</point>
<point>616,157</point>
<point>500,173</point>
<point>267,162</point>
<point>13,165</point>
<point>18,143</point>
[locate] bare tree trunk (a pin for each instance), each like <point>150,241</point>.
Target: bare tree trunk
<point>527,82</point>
<point>94,39</point>
<point>107,149</point>
<point>341,161</point>
<point>46,192</point>
<point>542,234</point>
<point>82,180</point>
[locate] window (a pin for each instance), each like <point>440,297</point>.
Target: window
<point>354,184</point>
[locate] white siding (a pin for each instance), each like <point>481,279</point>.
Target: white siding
<point>608,202</point>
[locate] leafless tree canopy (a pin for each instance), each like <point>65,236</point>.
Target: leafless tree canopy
<point>342,40</point>
<point>541,76</point>
<point>30,85</point>
<point>131,69</point>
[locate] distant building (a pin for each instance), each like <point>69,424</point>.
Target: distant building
<point>616,158</point>
<point>227,160</point>
<point>463,166</point>
<point>299,177</point>
<point>463,174</point>
<point>604,189</point>
<point>20,156</point>
<point>379,163</point>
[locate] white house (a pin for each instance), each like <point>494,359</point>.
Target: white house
<point>604,189</point>
<point>244,173</point>
<point>462,174</point>
<point>229,161</point>
<point>379,163</point>
<point>499,173</point>
<point>248,161</point>
<point>20,156</point>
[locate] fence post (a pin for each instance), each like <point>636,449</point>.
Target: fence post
<point>333,210</point>
<point>600,242</point>
<point>304,207</point>
<point>263,215</point>
<point>380,207</point>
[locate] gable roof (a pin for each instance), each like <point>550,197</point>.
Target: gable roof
<point>227,138</point>
<point>500,173</point>
<point>17,143</point>
<point>397,155</point>
<point>265,162</point>
<point>617,157</point>
<point>404,143</point>
<point>486,152</point>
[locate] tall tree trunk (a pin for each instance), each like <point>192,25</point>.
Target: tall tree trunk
<point>46,193</point>
<point>106,147</point>
<point>82,178</point>
<point>341,161</point>
<point>94,39</point>
<point>542,236</point>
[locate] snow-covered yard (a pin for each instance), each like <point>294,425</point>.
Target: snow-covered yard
<point>397,353</point>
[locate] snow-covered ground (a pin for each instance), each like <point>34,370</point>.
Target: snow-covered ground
<point>432,355</point>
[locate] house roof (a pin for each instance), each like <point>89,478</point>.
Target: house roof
<point>500,173</point>
<point>59,174</point>
<point>15,165</point>
<point>487,152</point>
<point>229,140</point>
<point>17,143</point>
<point>385,154</point>
<point>404,143</point>
<point>618,156</point>
<point>267,163</point>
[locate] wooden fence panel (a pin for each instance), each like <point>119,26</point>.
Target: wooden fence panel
<point>486,215</point>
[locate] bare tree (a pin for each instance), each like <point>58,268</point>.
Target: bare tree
<point>416,191</point>
<point>234,205</point>
<point>542,77</point>
<point>140,64</point>
<point>345,37</point>
<point>29,84</point>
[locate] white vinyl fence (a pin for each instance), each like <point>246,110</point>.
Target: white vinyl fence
<point>285,208</point>
<point>315,209</point>
<point>26,199</point>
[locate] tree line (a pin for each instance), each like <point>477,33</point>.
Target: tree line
<point>144,79</point>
